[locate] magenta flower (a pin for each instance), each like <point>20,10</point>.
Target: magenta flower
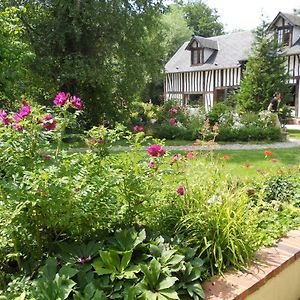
<point>25,111</point>
<point>3,117</point>
<point>156,150</point>
<point>60,99</point>
<point>138,128</point>
<point>152,164</point>
<point>180,190</point>
<point>49,123</point>
<point>172,121</point>
<point>76,101</point>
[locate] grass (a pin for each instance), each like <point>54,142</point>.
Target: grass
<point>295,134</point>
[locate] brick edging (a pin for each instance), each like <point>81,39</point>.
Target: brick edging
<point>236,285</point>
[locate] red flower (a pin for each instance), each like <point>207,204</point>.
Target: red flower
<point>226,157</point>
<point>190,155</point>
<point>274,160</point>
<point>268,153</point>
<point>247,165</point>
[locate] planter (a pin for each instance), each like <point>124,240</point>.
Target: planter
<point>274,276</point>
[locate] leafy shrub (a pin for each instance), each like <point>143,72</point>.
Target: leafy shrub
<point>251,133</point>
<point>218,110</point>
<point>280,188</point>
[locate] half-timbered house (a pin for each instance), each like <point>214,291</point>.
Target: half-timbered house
<point>204,71</point>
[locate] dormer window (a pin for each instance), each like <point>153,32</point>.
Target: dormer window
<point>197,56</point>
<point>283,35</point>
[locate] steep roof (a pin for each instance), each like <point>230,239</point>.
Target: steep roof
<point>233,48</point>
<point>203,42</point>
<point>290,18</point>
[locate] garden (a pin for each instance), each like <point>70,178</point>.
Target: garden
<point>145,223</point>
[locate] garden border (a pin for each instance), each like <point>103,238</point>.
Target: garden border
<point>272,264</point>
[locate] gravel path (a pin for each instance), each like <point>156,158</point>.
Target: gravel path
<point>288,144</point>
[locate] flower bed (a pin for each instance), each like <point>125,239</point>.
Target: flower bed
<point>192,220</point>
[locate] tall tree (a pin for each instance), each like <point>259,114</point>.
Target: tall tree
<point>103,51</point>
<point>14,54</point>
<point>202,19</point>
<point>265,73</point>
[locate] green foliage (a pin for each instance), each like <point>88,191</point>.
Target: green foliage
<point>105,51</point>
<point>202,19</point>
<point>150,269</point>
<point>265,73</point>
<point>250,133</point>
<point>14,53</point>
<point>280,188</point>
<point>217,111</point>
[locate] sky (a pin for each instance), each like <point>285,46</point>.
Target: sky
<point>241,14</point>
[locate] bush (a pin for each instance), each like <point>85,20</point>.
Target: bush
<point>251,133</point>
<point>280,188</point>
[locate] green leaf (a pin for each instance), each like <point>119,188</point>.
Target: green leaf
<point>101,269</point>
<point>67,271</point>
<point>110,259</point>
<point>169,293</point>
<point>49,270</point>
<point>125,259</point>
<point>166,283</point>
<point>196,288</point>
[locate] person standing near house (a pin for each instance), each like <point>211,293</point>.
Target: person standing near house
<point>273,107</point>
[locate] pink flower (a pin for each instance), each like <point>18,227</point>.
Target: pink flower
<point>173,110</point>
<point>156,150</point>
<point>17,127</point>
<point>175,157</point>
<point>60,99</point>
<point>49,123</point>
<point>76,101</point>
<point>25,111</point>
<point>274,160</point>
<point>152,164</point>
<point>172,121</point>
<point>180,190</point>
<point>138,128</point>
<point>3,117</point>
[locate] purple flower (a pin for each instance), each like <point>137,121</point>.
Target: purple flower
<point>180,190</point>
<point>25,111</point>
<point>60,99</point>
<point>156,150</point>
<point>49,123</point>
<point>3,117</point>
<point>76,101</point>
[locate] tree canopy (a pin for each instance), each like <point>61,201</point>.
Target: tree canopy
<point>265,73</point>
